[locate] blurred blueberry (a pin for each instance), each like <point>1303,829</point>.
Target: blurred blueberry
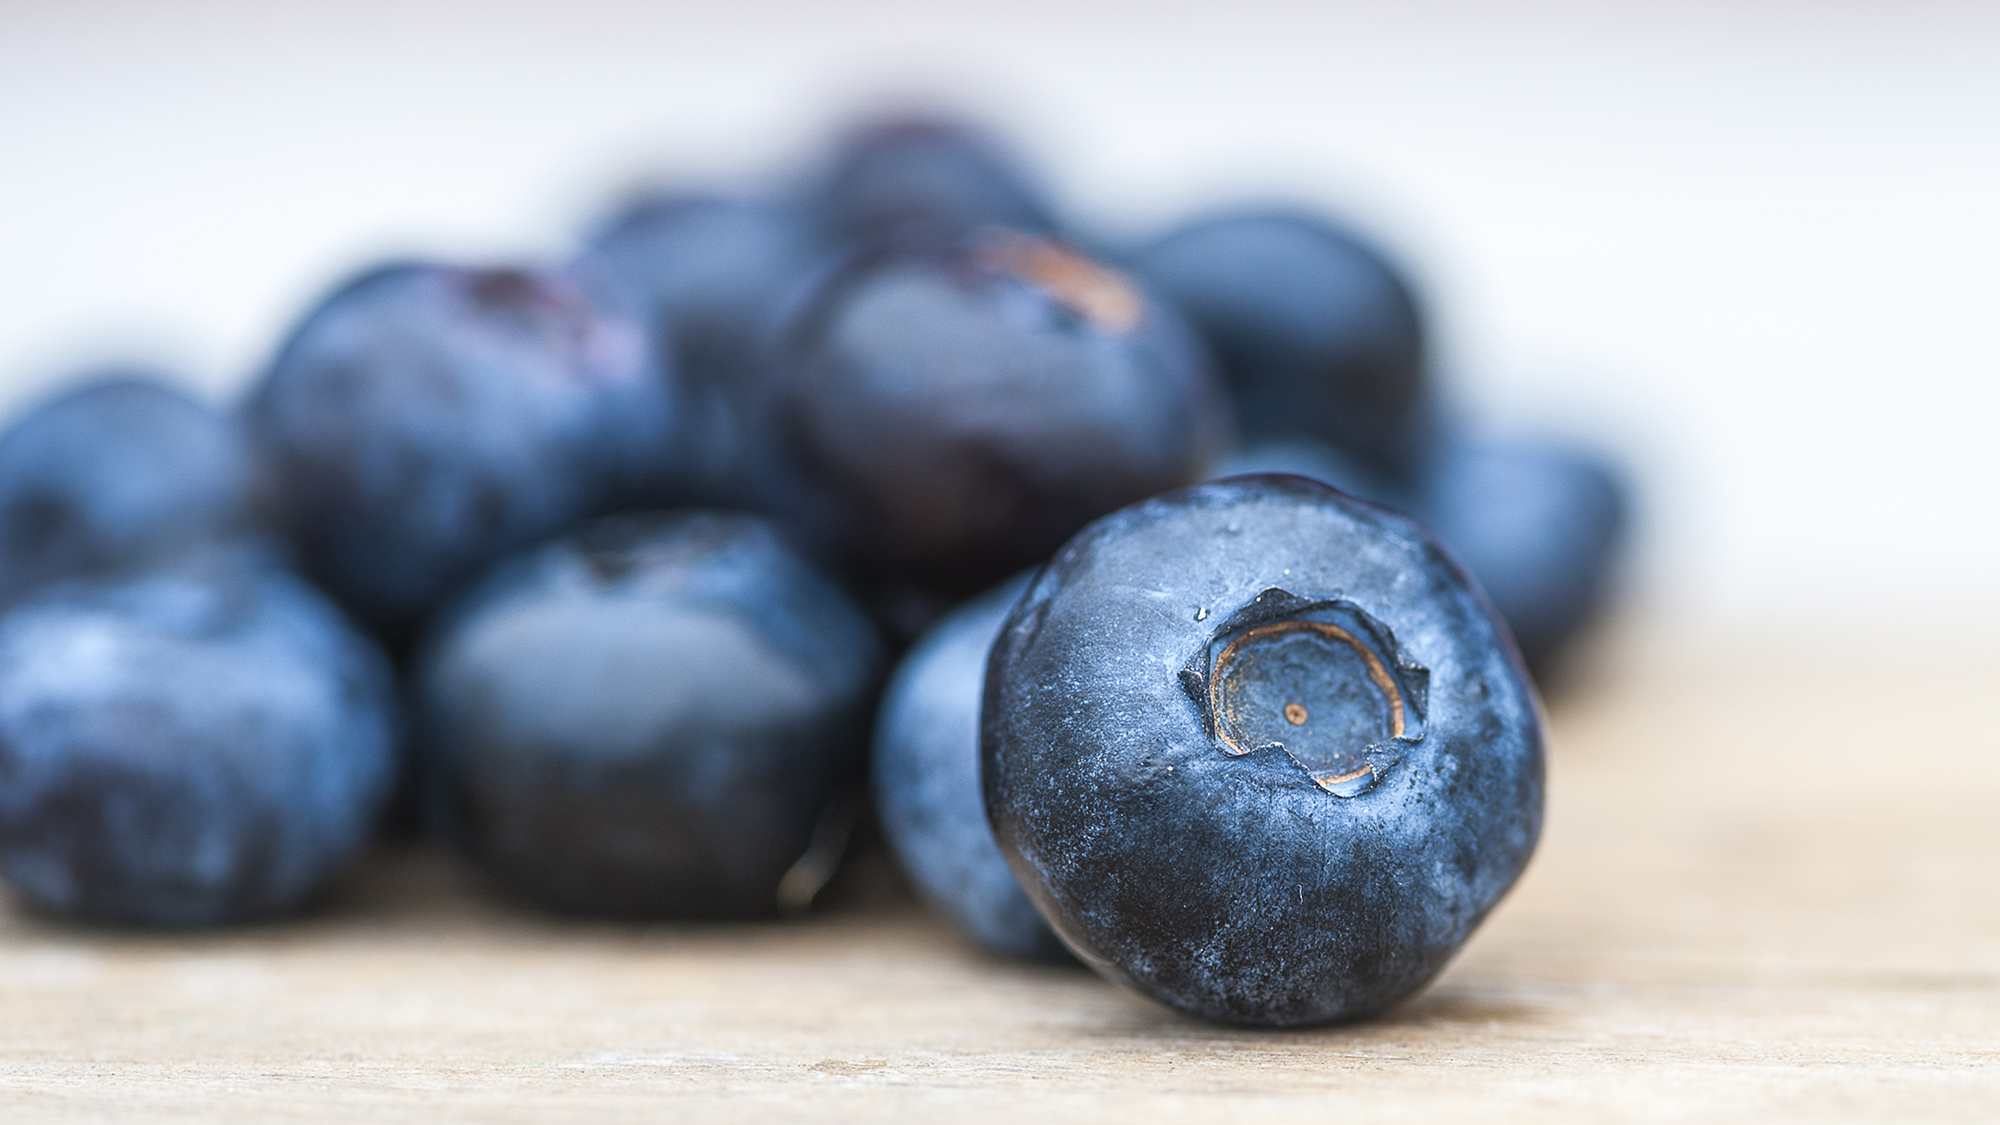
<point>1260,752</point>
<point>927,782</point>
<point>714,275</point>
<point>425,420</point>
<point>1324,463</point>
<point>1538,521</point>
<point>116,473</point>
<point>204,744</point>
<point>924,178</point>
<point>647,717</point>
<point>969,411</point>
<point>1317,334</point>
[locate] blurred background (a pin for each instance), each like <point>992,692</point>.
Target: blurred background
<point>1752,247</point>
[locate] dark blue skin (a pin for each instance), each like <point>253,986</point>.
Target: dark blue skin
<point>714,276</point>
<point>425,420</point>
<point>1317,333</point>
<point>205,744</point>
<point>116,472</point>
<point>1537,521</point>
<point>647,717</point>
<point>924,179</point>
<point>1261,751</point>
<point>926,772</point>
<point>970,411</point>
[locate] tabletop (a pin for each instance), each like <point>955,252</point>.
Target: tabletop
<point>1769,887</point>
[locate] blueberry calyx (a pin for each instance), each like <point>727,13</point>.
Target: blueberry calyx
<point>1093,292</point>
<point>1321,680</point>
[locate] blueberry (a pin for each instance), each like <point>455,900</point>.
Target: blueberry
<point>926,772</point>
<point>202,744</point>
<point>1326,464</point>
<point>116,473</point>
<point>972,410</point>
<point>1538,522</point>
<point>425,420</point>
<point>923,178</point>
<point>646,717</point>
<point>1317,334</point>
<point>714,275</point>
<point>1260,751</point>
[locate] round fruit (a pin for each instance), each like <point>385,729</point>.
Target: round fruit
<point>1261,751</point>
<point>647,717</point>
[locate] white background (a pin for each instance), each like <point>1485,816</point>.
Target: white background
<point>1756,245</point>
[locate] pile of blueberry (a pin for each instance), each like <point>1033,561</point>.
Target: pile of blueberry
<point>600,570</point>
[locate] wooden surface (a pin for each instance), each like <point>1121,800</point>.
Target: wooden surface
<point>1769,888</point>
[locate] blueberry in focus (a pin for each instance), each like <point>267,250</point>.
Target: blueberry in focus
<point>924,179</point>
<point>971,410</point>
<point>116,473</point>
<point>1260,751</point>
<point>926,771</point>
<point>1538,521</point>
<point>713,276</point>
<point>203,744</point>
<point>1317,334</point>
<point>424,420</point>
<point>646,717</point>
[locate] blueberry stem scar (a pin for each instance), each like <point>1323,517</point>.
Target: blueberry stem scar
<point>1378,674</point>
<point>1091,291</point>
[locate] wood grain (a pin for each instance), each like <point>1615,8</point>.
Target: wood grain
<point>1770,888</point>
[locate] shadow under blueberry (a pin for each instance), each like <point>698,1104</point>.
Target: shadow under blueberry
<point>1449,1006</point>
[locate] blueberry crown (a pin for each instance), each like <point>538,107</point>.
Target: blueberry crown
<point>1319,679</point>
